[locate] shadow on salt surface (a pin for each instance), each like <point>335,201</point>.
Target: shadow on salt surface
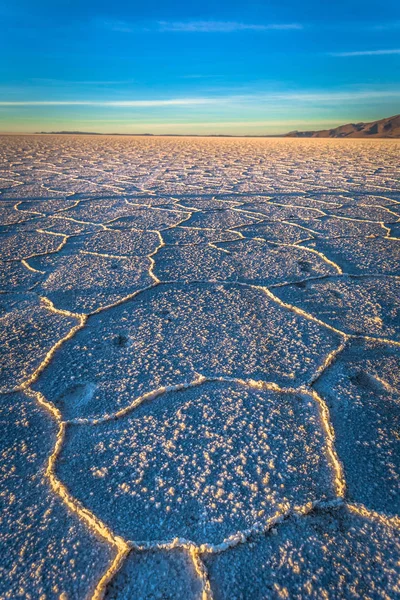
<point>14,277</point>
<point>178,331</point>
<point>162,201</point>
<point>102,281</point>
<point>371,213</point>
<point>275,212</point>
<point>362,390</point>
<point>123,243</point>
<point>283,233</point>
<point>99,211</point>
<point>335,554</point>
<point>317,200</point>
<point>28,331</point>
<point>361,256</point>
<point>10,216</point>
<point>50,553</point>
<point>221,219</point>
<point>55,224</point>
<point>330,227</point>
<point>142,217</point>
<point>360,306</point>
<point>156,574</point>
<point>45,207</point>
<point>248,261</point>
<point>189,236</point>
<point>367,200</point>
<point>200,464</point>
<point>31,191</point>
<point>16,246</point>
<point>395,230</point>
<point>209,204</point>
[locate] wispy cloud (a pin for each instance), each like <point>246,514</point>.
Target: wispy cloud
<point>223,26</point>
<point>220,123</point>
<point>338,96</point>
<point>264,98</point>
<point>195,76</point>
<point>46,80</point>
<point>121,26</point>
<point>387,26</point>
<point>115,103</point>
<point>197,26</point>
<point>367,53</point>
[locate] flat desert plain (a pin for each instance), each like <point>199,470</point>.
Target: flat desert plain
<point>200,374</point>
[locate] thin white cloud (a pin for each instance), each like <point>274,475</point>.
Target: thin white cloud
<point>265,98</point>
<point>238,123</point>
<point>121,26</point>
<point>387,26</point>
<point>339,96</point>
<point>223,26</point>
<point>46,80</point>
<point>367,53</point>
<point>197,26</point>
<point>114,103</point>
<point>195,76</point>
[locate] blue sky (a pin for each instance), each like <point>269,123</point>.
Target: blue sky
<point>197,67</point>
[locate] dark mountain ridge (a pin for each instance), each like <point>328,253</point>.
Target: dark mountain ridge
<point>384,128</point>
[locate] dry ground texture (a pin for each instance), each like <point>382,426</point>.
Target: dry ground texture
<point>200,370</point>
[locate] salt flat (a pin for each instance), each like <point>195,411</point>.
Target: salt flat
<point>200,368</point>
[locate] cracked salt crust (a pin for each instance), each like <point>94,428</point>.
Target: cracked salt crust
<point>200,464</point>
<point>248,261</point>
<point>362,390</point>
<point>50,551</point>
<point>247,426</point>
<point>28,332</point>
<point>328,554</point>
<point>356,305</point>
<point>169,333</point>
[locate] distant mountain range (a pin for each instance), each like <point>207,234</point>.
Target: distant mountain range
<point>385,128</point>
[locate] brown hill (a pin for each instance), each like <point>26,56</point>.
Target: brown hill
<point>385,128</point>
